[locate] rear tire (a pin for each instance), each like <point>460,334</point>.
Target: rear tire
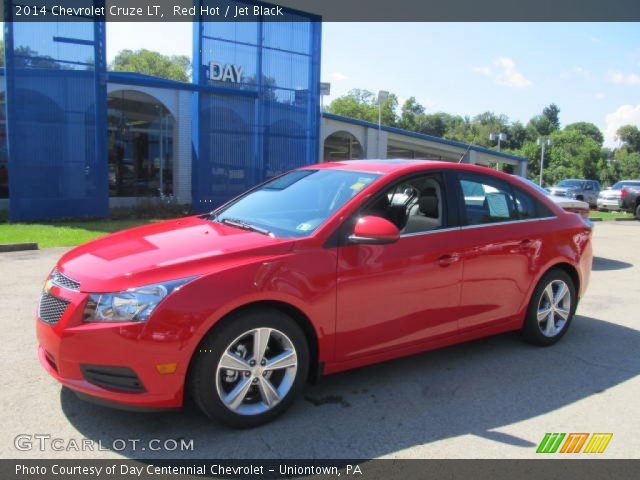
<point>234,375</point>
<point>551,309</point>
<point>637,212</point>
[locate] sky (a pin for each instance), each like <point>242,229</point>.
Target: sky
<point>590,70</point>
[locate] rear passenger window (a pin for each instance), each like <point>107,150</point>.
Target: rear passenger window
<point>528,207</point>
<point>487,201</point>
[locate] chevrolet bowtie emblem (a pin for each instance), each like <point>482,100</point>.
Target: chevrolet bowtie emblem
<point>47,285</point>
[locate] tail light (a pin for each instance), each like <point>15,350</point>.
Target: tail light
<point>623,193</point>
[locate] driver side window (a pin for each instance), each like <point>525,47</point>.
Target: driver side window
<point>414,206</point>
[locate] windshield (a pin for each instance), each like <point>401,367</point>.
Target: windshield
<point>621,185</point>
<point>297,203</point>
<point>570,183</point>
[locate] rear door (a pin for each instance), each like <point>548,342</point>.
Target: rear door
<point>500,241</point>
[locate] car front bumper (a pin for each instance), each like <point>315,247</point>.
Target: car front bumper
<point>609,204</point>
<point>115,363</point>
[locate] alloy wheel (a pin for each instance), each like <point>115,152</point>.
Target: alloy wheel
<point>256,371</point>
<point>554,308</point>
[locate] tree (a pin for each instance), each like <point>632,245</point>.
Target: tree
<point>412,115</point>
<point>588,129</point>
<point>545,124</point>
<point>174,67</point>
<point>363,105</point>
<point>436,124</point>
<point>552,113</point>
<point>627,165</point>
<point>572,155</point>
<point>629,135</point>
<point>516,136</point>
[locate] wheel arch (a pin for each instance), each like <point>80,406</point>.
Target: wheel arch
<point>303,321</point>
<point>569,270</point>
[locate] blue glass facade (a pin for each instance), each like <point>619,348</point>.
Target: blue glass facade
<point>257,109</point>
<point>56,101</point>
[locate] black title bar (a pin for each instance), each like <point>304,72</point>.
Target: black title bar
<point>328,10</point>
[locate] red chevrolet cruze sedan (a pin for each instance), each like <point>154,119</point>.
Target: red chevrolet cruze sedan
<point>320,270</point>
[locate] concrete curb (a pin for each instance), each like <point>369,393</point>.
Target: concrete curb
<point>632,219</point>
<point>595,219</point>
<point>17,247</point>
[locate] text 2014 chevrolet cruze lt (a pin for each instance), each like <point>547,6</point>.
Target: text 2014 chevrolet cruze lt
<point>320,270</point>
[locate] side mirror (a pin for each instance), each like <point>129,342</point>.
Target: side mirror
<point>372,230</point>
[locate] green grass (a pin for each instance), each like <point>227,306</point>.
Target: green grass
<point>609,215</point>
<point>62,234</point>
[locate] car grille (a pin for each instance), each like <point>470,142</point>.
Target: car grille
<point>560,194</point>
<point>64,281</point>
<point>51,308</point>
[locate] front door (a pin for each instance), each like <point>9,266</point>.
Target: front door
<point>396,295</point>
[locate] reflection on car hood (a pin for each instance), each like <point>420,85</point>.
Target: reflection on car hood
<point>163,251</point>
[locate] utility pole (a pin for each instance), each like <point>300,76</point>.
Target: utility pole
<point>382,97</point>
<point>542,141</point>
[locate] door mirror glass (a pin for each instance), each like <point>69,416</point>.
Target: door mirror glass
<point>374,230</point>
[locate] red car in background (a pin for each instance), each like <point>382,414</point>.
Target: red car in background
<point>320,270</point>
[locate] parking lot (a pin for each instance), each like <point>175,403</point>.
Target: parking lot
<point>492,398</point>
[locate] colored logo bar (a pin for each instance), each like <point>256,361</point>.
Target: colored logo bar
<point>574,443</point>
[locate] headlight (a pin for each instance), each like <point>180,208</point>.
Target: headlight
<point>133,305</point>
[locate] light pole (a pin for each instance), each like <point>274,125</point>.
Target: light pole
<point>500,137</point>
<point>543,142</point>
<point>383,95</point>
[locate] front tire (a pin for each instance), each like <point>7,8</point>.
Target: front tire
<point>551,309</point>
<point>249,369</point>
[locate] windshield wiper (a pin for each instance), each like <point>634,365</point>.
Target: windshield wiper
<point>235,222</point>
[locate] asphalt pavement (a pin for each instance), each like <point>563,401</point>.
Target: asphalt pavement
<point>492,398</point>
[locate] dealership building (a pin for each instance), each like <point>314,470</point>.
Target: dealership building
<point>76,139</point>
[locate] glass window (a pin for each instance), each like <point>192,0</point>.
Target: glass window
<point>487,200</point>
<point>297,203</point>
<point>571,184</point>
<point>140,139</point>
<point>528,207</point>
<point>414,206</point>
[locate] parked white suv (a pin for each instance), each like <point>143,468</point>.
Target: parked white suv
<point>610,199</point>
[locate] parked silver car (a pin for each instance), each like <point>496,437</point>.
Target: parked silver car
<point>569,204</point>
<point>585,190</point>
<point>611,199</point>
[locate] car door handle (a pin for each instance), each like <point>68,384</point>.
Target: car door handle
<point>446,260</point>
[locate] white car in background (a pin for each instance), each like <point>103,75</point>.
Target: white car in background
<point>611,199</point>
<point>569,204</point>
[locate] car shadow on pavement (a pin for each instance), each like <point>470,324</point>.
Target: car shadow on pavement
<point>602,264</point>
<point>472,388</point>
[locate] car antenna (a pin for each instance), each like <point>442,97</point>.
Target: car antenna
<point>465,152</point>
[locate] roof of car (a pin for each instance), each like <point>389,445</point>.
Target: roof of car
<point>395,165</point>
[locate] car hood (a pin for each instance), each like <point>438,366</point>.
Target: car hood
<point>563,189</point>
<point>164,251</point>
<point>565,202</point>
<point>610,193</point>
